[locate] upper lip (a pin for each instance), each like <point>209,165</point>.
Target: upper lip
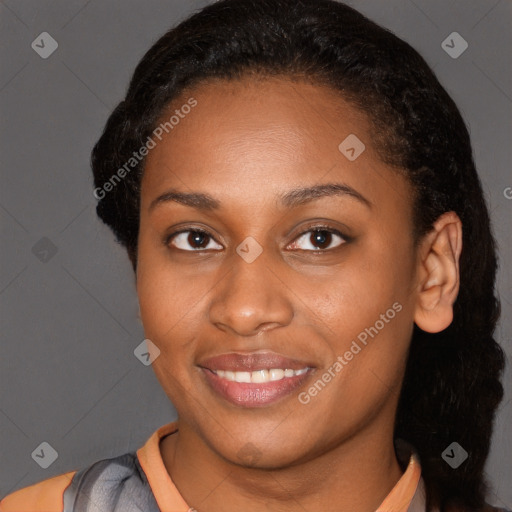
<point>253,361</point>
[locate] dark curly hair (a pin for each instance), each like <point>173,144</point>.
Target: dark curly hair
<point>452,385</point>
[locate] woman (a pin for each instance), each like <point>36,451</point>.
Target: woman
<point>315,271</point>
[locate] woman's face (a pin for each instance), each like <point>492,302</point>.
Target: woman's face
<point>305,252</point>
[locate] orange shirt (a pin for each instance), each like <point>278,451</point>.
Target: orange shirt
<point>48,495</point>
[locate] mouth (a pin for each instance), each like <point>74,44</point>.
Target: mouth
<point>257,379</point>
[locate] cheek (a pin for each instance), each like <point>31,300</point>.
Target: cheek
<point>167,297</point>
<point>366,370</point>
<point>167,304</point>
<point>366,314</point>
<point>166,315</point>
<point>356,295</point>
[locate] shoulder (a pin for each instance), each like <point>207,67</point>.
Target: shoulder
<point>118,483</point>
<point>45,496</point>
<point>112,484</point>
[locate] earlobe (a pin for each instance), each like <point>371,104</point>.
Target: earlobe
<point>438,272</point>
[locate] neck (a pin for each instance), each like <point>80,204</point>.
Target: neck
<point>354,475</point>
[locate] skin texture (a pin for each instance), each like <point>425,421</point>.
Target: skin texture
<point>246,143</point>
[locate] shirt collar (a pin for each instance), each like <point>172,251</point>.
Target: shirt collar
<point>407,495</point>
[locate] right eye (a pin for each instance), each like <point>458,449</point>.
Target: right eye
<point>195,238</point>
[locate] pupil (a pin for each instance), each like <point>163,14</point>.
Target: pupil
<point>197,239</point>
<point>320,238</point>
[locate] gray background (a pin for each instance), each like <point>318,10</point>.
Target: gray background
<point>69,319</point>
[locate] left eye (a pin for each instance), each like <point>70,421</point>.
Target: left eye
<point>195,238</point>
<point>318,239</point>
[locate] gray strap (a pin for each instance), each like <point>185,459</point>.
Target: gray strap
<point>111,485</point>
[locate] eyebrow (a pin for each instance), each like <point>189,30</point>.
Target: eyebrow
<point>291,199</point>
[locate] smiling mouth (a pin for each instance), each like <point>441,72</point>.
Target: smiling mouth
<point>259,388</point>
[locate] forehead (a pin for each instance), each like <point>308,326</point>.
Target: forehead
<point>261,135</point>
<point>271,111</point>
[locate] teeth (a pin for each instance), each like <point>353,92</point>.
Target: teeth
<point>259,376</point>
<point>276,374</point>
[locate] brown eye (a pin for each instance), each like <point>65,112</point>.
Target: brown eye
<point>319,239</point>
<point>191,240</point>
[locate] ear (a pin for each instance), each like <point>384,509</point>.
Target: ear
<point>438,273</point>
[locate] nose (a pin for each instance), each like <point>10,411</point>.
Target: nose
<point>251,297</point>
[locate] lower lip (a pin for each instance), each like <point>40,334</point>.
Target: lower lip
<point>252,394</point>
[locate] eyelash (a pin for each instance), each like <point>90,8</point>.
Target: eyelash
<point>319,228</point>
